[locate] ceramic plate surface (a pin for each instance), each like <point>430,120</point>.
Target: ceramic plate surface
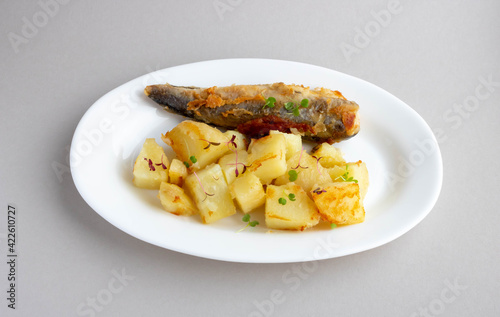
<point>400,151</point>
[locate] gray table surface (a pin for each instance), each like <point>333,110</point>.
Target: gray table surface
<point>58,58</point>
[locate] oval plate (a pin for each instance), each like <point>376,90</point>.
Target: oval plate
<point>399,148</point>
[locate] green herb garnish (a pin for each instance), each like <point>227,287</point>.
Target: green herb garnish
<point>269,102</point>
<point>294,108</point>
<point>246,218</point>
<point>192,158</point>
<point>345,177</point>
<point>292,175</point>
<point>290,196</point>
<point>333,226</point>
<point>289,106</point>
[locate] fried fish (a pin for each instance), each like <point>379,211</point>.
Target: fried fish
<point>254,110</point>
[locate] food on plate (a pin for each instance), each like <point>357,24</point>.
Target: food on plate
<point>307,170</point>
<point>289,207</point>
<point>151,166</point>
<point>236,139</point>
<point>210,193</point>
<point>339,203</point>
<point>293,142</point>
<point>320,114</point>
<point>248,192</point>
<point>216,173</point>
<point>358,171</point>
<point>189,139</point>
<point>177,172</point>
<point>330,155</point>
<point>233,164</point>
<point>267,157</point>
<point>174,200</point>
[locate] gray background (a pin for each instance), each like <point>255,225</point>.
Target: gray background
<point>432,55</point>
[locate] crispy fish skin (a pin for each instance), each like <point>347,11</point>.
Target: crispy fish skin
<point>329,117</point>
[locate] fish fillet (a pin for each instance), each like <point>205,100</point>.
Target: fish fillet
<point>329,117</point>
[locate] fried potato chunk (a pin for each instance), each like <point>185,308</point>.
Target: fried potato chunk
<point>267,157</point>
<point>339,203</point>
<point>174,200</point>
<point>298,213</point>
<point>191,139</point>
<point>151,166</point>
<point>210,193</point>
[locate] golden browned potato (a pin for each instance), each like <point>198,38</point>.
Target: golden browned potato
<point>336,172</point>
<point>267,157</point>
<point>174,200</point>
<point>210,193</point>
<point>358,171</point>
<point>240,140</point>
<point>298,213</point>
<point>293,142</point>
<point>228,164</point>
<point>339,203</point>
<point>330,155</point>
<point>248,192</point>
<point>151,166</point>
<point>177,172</point>
<point>308,173</point>
<point>191,139</point>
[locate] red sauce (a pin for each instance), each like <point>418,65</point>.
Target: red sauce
<point>260,127</point>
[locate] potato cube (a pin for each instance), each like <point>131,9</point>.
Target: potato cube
<point>177,172</point>
<point>339,203</point>
<point>294,215</point>
<point>228,164</point>
<point>147,174</point>
<point>190,138</point>
<point>330,155</point>
<point>308,173</point>
<point>248,192</point>
<point>210,193</point>
<point>358,171</point>
<point>267,157</point>
<point>174,200</point>
<point>240,140</point>
<point>293,142</point>
<point>336,171</point>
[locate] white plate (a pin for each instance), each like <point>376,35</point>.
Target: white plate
<point>401,153</point>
